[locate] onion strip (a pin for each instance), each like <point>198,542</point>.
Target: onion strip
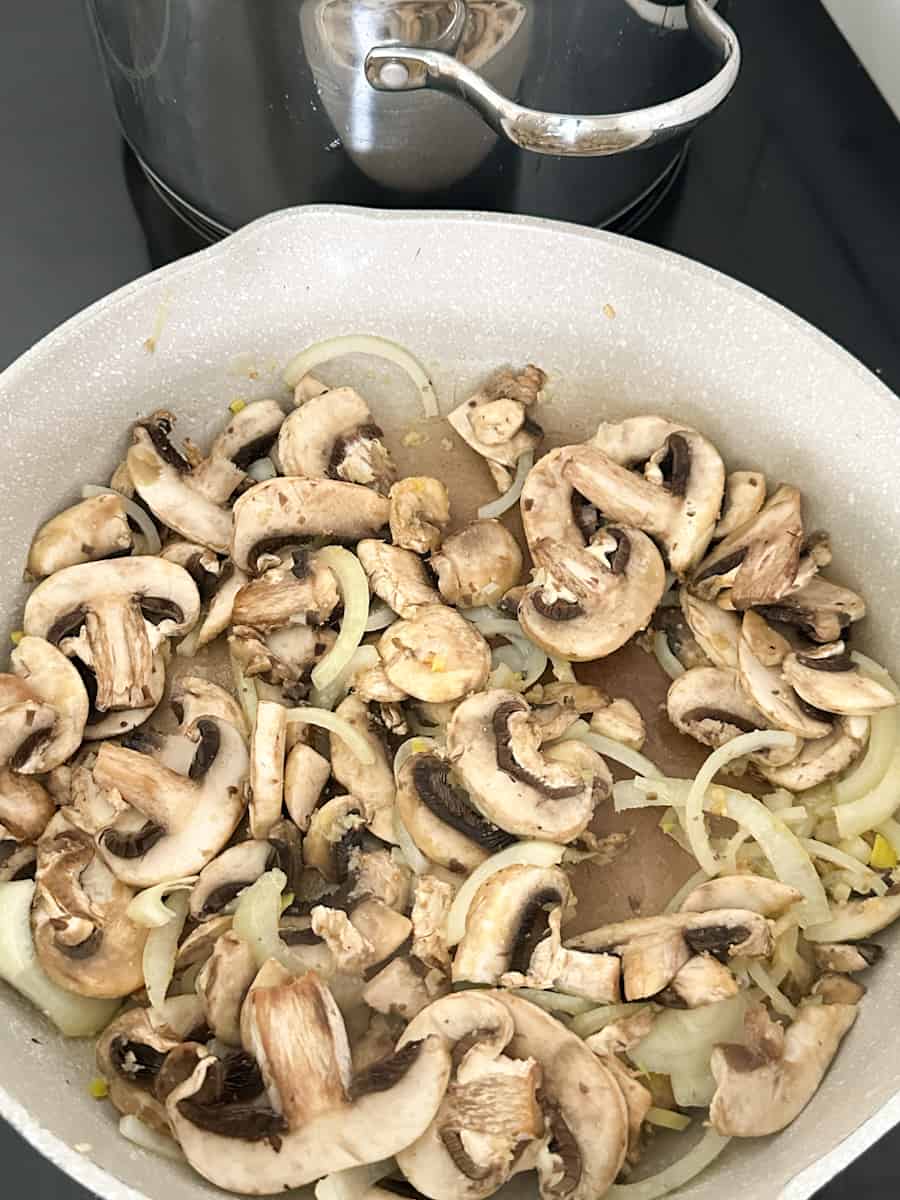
<point>662,651</point>
<point>677,1175</point>
<point>580,731</point>
<point>324,719</point>
<point>140,516</point>
<point>256,920</point>
<point>364,343</point>
<point>160,949</point>
<point>555,1002</point>
<point>135,1131</point>
<point>596,1019</point>
<point>532,853</point>
<point>865,876</point>
<point>354,586</point>
<point>362,658</point>
<point>562,669</point>
<point>147,908</point>
<point>873,807</point>
<point>767,985</point>
<point>380,616</point>
<point>415,859</point>
<point>496,508</point>
<point>414,745</point>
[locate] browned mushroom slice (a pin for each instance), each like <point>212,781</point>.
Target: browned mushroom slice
<point>847,958</point>
<point>299,589</point>
<point>477,564</point>
<point>761,652</point>
<point>495,421</point>
<point>25,811</point>
<point>95,528</point>
<point>397,576</point>
<point>821,610</point>
<point>420,512</point>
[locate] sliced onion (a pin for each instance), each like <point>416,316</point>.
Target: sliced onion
<point>324,719</point>
<point>256,919</point>
<point>697,1159</point>
<point>866,879</point>
<point>695,823</point>
<point>148,1139</point>
<point>874,807</point>
<point>160,949</point>
<point>504,677</point>
<point>884,737</point>
<point>353,1183</point>
<point>496,508</point>
<point>663,653</point>
<point>523,658</point>
<point>363,343</point>
<point>415,859</point>
<point>261,470</point>
<point>767,985</point>
<point>890,831</point>
<point>598,1018</point>
<point>354,586</point>
<point>381,615</point>
<point>555,1002</point>
<point>685,890</point>
<point>532,853</point>
<point>413,745</point>
<point>73,1016</point>
<point>147,907</point>
<point>580,731</point>
<point>140,516</point>
<point>784,960</point>
<point>562,670</point>
<point>490,624</point>
<point>246,690</point>
<point>667,1118</point>
<point>362,658</point>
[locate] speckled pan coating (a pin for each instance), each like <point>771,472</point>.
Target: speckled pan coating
<point>621,328</point>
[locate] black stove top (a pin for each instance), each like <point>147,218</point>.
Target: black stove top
<point>793,187</point>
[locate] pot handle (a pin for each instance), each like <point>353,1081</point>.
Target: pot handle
<point>397,68</point>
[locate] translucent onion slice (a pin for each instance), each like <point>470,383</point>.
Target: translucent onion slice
<point>147,907</point>
<point>246,690</point>
<point>325,719</point>
<point>697,1159</point>
<point>866,879</point>
<point>533,853</point>
<point>496,508</point>
<point>361,659</point>
<point>562,670</point>
<point>667,1118</point>
<point>160,949</point>
<point>884,737</point>
<point>663,653</point>
<point>523,658</point>
<point>380,617</point>
<point>363,343</point>
<point>596,1019</point>
<point>148,1139</point>
<point>413,745</point>
<point>555,1002</point>
<point>767,985</point>
<point>695,823</point>
<point>73,1016</point>
<point>140,516</point>
<point>872,808</point>
<point>491,624</point>
<point>415,859</point>
<point>353,1183</point>
<point>261,470</point>
<point>580,731</point>
<point>354,587</point>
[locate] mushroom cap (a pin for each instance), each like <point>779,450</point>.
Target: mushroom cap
<point>819,760</point>
<point>282,512</point>
<point>493,742</point>
<point>828,679</point>
<point>583,1104</point>
<point>332,436</point>
<point>585,603</point>
<point>96,528</point>
<point>475,565</point>
<point>52,680</point>
<point>420,512</point>
<point>436,655</point>
<point>372,782</point>
<point>397,576</point>
<point>25,807</point>
<point>761,652</point>
<point>745,494</point>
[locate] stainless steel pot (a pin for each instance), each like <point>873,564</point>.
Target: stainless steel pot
<point>239,107</point>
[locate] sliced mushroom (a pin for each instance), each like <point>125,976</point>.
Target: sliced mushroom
<point>333,436</point>
<point>819,760</point>
<point>768,897</point>
<point>222,986</point>
<point>508,916</point>
<point>638,1101</point>
<point>716,631</point>
<point>283,512</point>
<point>585,1112</point>
<point>477,564</point>
<point>221,881</point>
<point>320,1118</point>
<point>300,589</point>
<point>397,576</point>
<point>95,528</point>
<point>25,807</point>
<point>350,949</point>
<point>838,989</point>
<point>267,748</point>
<point>493,743</point>
<point>702,980</point>
<point>828,679</point>
<point>759,560</point>
<point>494,411</point>
<point>745,494</point>
<point>334,831</point>
<point>552,511</point>
<point>436,655</point>
<point>847,958</point>
<point>192,697</point>
<point>761,1092</point>
<point>221,604</point>
<point>724,933</point>
<point>83,937</point>
<point>203,566</point>
<point>162,478</point>
<point>305,774</point>
<point>431,909</point>
<point>671,622</point>
<point>760,654</point>
<point>248,436</point>
<point>595,977</point>
<point>621,721</point>
<point>583,604</point>
<point>113,615</point>
<point>385,930</point>
<point>404,988</point>
<point>677,498</point>
<point>619,1037</point>
<point>133,1048</point>
<point>43,708</point>
<point>857,920</point>
<point>821,610</point>
<point>420,512</point>
<point>181,822</point>
<point>198,945</point>
<point>371,782</point>
<point>709,705</point>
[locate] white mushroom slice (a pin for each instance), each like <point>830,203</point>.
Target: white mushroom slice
<point>494,744</point>
<point>222,880</point>
<point>583,604</point>
<point>95,528</point>
<point>222,986</point>
<point>856,920</point>
<point>702,980</point>
<point>650,963</point>
<point>623,1035</point>
<point>333,831</point>
<point>430,912</point>
<point>248,436</point>
<point>132,1050</point>
<point>723,932</point>
<point>819,760</point>
<point>203,566</point>
<point>765,685</point>
<point>82,935</point>
<point>187,820</point>
<point>397,576</point>
<point>404,988</point>
<point>25,807</point>
<point>476,565</point>
<point>284,658</point>
<point>192,697</point>
<point>847,958</point>
<point>717,632</point>
<point>759,560</point>
<point>828,679</point>
<point>586,1113</point>
<point>42,719</point>
<point>549,505</point>
<point>765,896</point>
<point>112,605</point>
<point>505,912</point>
<point>373,686</point>
<point>332,436</point>
<point>745,494</point>
<point>436,655</point>
<point>351,950</point>
<point>282,512</point>
<point>838,989</point>
<point>638,1101</point>
<point>385,930</point>
<point>300,589</point>
<point>678,498</point>
<point>221,605</point>
<point>320,1117</point>
<point>267,767</point>
<point>595,977</point>
<point>709,705</point>
<point>305,774</point>
<point>522,388</point>
<point>821,610</point>
<point>420,512</point>
<point>761,1093</point>
<point>372,782</point>
<point>622,722</point>
<point>162,479</point>
<point>119,721</point>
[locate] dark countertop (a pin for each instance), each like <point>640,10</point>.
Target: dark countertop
<point>794,188</point>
